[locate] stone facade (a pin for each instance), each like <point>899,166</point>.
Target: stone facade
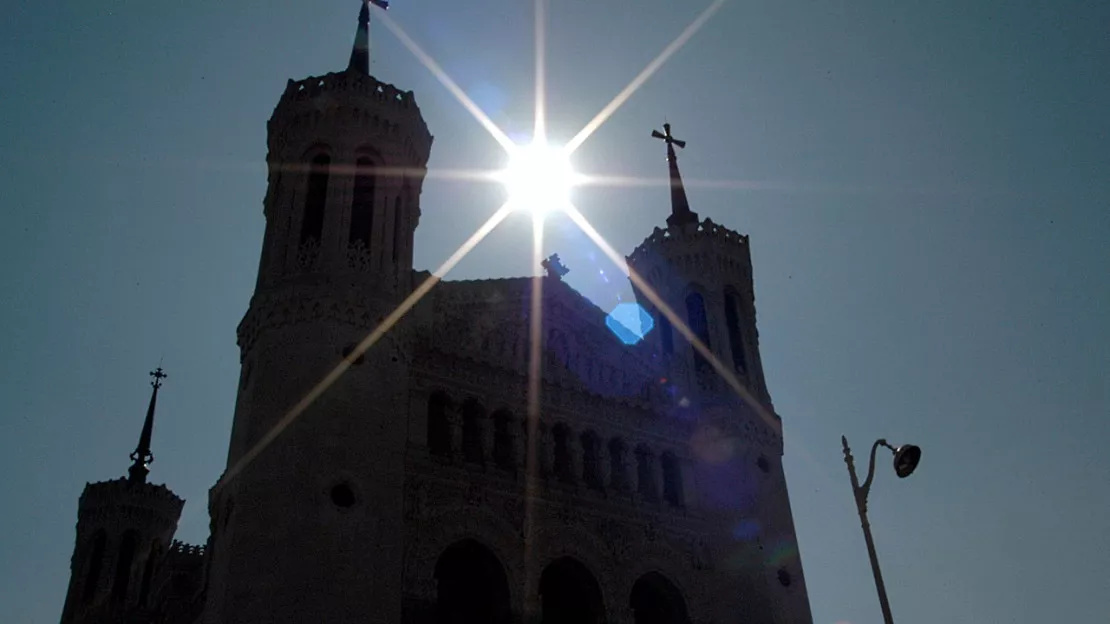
<point>646,487</point>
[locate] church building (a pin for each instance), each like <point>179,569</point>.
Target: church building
<point>434,480</point>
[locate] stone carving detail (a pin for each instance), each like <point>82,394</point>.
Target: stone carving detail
<point>358,256</point>
<point>476,494</point>
<point>308,254</point>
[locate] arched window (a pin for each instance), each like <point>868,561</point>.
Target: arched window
<point>591,466</point>
<point>645,474</point>
<point>735,338</point>
<point>564,470</point>
<point>570,594</point>
<point>362,203</point>
<point>655,600</point>
<point>666,334</point>
<point>96,563</point>
<point>439,428</point>
<point>699,325</point>
<point>618,480</point>
<point>672,480</point>
<point>148,574</point>
<point>503,454</point>
<point>471,587</point>
<point>123,566</point>
<point>312,227</point>
<point>472,416</point>
<point>398,227</point>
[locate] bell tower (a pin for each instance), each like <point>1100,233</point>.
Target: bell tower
<point>306,523</point>
<point>703,272</point>
<point>123,529</point>
<point>347,158</point>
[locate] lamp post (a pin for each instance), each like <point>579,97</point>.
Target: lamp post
<point>906,459</point>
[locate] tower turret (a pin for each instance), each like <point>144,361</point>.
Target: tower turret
<point>703,272</point>
<point>123,528</point>
<point>310,513</point>
<point>347,158</point>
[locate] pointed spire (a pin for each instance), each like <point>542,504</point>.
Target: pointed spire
<point>680,206</point>
<point>360,53</point>
<point>142,457</point>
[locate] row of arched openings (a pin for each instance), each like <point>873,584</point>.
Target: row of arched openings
<point>124,562</point>
<point>698,321</point>
<point>594,451</point>
<point>471,588</point>
<point>362,205</point>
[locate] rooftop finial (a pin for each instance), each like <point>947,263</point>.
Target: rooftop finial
<point>360,53</point>
<point>141,457</point>
<point>554,267</point>
<point>680,206</point>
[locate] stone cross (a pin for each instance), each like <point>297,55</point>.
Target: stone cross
<point>668,139</point>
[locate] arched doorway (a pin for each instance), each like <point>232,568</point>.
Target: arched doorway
<point>655,600</point>
<point>569,594</point>
<point>470,586</point>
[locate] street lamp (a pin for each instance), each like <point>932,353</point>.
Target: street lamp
<point>906,459</point>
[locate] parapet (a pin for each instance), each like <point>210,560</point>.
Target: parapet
<point>352,96</point>
<point>107,496</point>
<point>181,551</point>
<point>706,235</point>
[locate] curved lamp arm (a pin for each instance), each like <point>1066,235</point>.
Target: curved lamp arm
<point>863,490</point>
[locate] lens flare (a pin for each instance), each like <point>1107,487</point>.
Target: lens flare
<point>538,178</point>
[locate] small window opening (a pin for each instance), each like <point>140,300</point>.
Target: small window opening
<point>123,567</point>
<point>735,337</point>
<point>362,203</point>
<point>342,495</point>
<point>96,562</point>
<point>312,226</point>
<point>699,325</point>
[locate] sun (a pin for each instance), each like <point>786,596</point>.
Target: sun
<point>539,178</point>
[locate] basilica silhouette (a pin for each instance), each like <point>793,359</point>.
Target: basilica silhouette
<point>415,488</point>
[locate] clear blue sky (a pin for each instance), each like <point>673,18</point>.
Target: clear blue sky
<point>930,240</point>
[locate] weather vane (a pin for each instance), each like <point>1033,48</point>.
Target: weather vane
<point>158,376</point>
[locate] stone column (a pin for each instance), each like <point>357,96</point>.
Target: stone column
<point>543,449</point>
<point>574,456</point>
<point>618,480</point>
<point>603,462</point>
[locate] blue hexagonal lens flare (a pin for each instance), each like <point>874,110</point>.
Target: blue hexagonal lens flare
<point>629,322</point>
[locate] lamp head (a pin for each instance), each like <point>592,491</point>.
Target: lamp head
<point>906,458</point>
